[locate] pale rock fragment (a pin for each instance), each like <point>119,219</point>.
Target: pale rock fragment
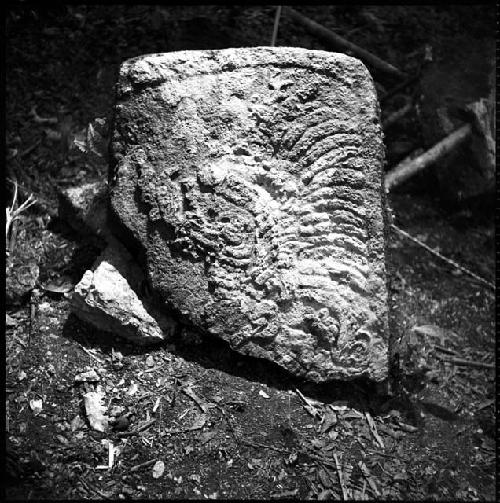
<point>95,410</point>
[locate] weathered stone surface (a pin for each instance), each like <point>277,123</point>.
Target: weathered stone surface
<point>105,298</point>
<point>250,180</point>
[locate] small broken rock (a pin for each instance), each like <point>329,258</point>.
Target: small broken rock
<point>95,410</point>
<point>77,423</point>
<point>36,406</point>
<point>158,469</point>
<point>105,299</point>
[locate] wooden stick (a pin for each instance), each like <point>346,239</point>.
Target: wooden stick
<point>30,149</point>
<point>467,363</point>
<point>92,355</point>
<point>143,465</point>
<point>309,406</point>
<point>196,399</point>
<point>442,257</point>
<point>340,42</point>
<point>445,350</point>
<point>138,430</point>
<point>396,116</point>
<point>408,167</point>
<point>341,478</point>
<point>276,25</point>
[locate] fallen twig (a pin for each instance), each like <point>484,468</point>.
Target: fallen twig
<point>138,430</point>
<point>92,355</point>
<point>34,299</point>
<point>467,363</point>
<point>408,167</point>
<point>308,405</point>
<point>397,116</point>
<point>263,446</point>
<point>341,478</point>
<point>385,455</point>
<point>373,429</point>
<point>340,42</point>
<point>409,428</point>
<point>369,478</point>
<point>30,149</point>
<point>276,25</point>
<point>191,394</point>
<point>143,465</point>
<point>445,350</point>
<point>448,260</point>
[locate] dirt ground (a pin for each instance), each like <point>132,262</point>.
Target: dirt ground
<point>193,419</point>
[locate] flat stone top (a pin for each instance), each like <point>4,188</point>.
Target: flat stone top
<point>157,68</point>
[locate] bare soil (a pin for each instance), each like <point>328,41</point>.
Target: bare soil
<point>227,426</point>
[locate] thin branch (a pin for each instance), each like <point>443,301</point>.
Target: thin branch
<point>341,478</point>
<point>396,116</point>
<point>408,167</point>
<point>276,25</point>
<point>447,260</point>
<point>340,42</point>
<point>467,363</point>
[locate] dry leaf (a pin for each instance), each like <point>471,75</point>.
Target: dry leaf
<point>10,321</point>
<point>76,423</point>
<point>329,420</point>
<point>324,478</point>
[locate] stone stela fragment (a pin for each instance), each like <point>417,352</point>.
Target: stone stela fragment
<point>249,183</point>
